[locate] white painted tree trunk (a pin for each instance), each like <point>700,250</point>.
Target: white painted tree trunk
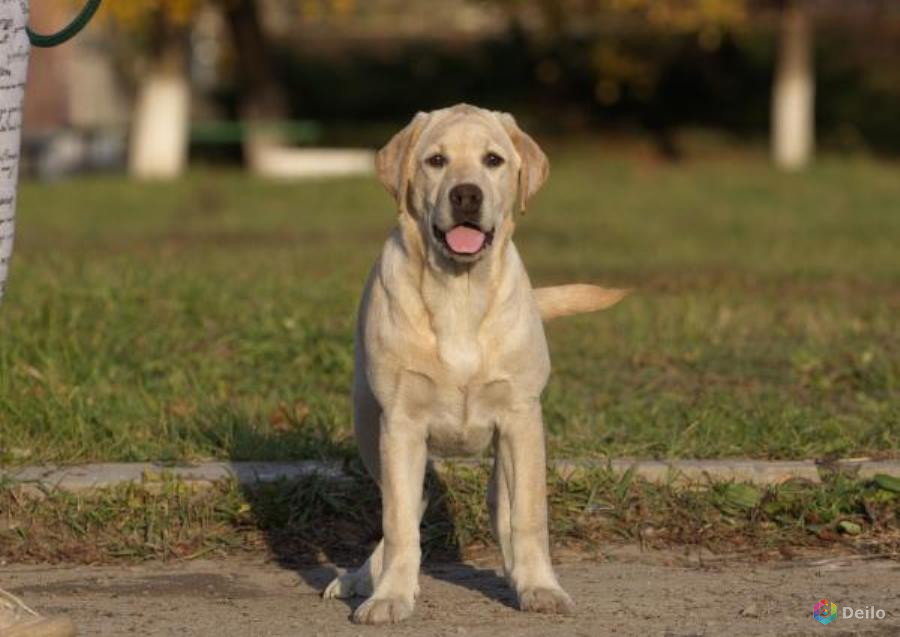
<point>159,132</point>
<point>14,49</point>
<point>793,94</point>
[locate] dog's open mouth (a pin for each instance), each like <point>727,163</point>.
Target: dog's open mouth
<point>465,239</point>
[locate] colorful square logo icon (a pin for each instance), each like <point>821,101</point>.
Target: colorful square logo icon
<point>824,612</point>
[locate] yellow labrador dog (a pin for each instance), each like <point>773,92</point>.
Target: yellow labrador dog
<point>451,354</point>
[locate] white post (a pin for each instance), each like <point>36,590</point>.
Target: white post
<point>793,116</point>
<point>14,49</point>
<point>159,133</point>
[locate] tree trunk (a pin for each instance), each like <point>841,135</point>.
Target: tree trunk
<point>261,96</point>
<point>262,100</point>
<point>159,133</point>
<point>793,110</point>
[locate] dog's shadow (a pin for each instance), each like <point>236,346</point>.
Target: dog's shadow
<point>313,524</point>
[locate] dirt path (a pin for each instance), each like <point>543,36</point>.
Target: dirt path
<point>624,595</point>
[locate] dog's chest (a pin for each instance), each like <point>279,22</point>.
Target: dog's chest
<point>456,326</point>
<point>457,361</point>
<point>460,420</point>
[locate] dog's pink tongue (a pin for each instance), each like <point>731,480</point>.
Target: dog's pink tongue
<point>465,240</point>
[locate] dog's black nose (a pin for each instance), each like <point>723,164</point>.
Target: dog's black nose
<point>466,202</point>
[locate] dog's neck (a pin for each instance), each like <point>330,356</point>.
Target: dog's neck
<point>458,298</point>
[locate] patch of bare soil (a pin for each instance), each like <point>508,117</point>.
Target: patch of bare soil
<point>625,594</point>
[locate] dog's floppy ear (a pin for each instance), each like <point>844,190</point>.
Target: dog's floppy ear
<point>394,163</point>
<point>535,168</point>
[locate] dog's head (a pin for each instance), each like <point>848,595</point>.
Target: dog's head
<point>461,173</point>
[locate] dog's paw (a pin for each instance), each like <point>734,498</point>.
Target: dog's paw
<point>546,600</point>
<point>352,584</point>
<point>341,587</point>
<point>388,610</point>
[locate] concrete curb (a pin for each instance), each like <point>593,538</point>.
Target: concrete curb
<point>104,475</point>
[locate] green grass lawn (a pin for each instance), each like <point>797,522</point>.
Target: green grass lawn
<point>212,317</point>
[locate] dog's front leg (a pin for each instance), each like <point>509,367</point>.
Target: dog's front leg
<point>521,457</point>
<point>403,453</point>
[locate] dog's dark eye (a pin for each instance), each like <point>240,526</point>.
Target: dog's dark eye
<point>436,161</point>
<point>492,160</point>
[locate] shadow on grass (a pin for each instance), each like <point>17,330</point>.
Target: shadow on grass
<point>316,523</point>
<point>226,429</point>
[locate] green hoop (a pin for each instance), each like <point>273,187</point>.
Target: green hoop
<point>66,33</point>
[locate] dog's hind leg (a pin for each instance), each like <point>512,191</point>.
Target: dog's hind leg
<point>498,504</point>
<point>361,582</point>
<point>358,583</point>
<point>366,421</point>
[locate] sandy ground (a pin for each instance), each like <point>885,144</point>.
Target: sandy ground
<point>628,594</point>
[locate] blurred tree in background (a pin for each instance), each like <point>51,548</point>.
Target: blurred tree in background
<point>157,36</point>
<point>624,54</point>
<point>621,65</point>
<point>663,66</point>
<point>160,35</point>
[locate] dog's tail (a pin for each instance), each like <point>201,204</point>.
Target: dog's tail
<point>577,298</point>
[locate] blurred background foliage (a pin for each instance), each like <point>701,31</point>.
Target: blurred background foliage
<point>656,66</point>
